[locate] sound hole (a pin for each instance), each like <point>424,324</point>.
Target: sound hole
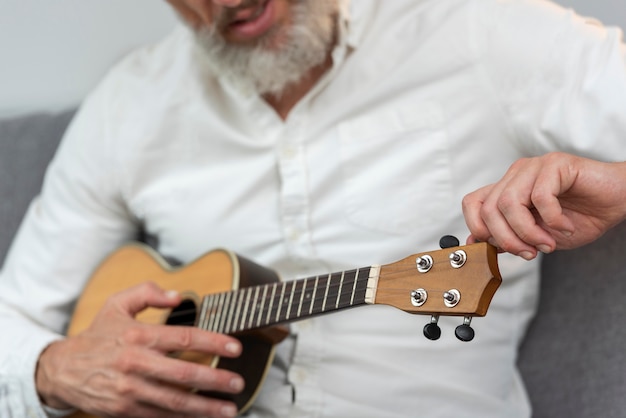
<point>183,314</point>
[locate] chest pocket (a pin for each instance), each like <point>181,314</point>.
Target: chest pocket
<point>396,167</point>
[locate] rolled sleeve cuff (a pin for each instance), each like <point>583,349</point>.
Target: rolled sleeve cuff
<point>26,378</point>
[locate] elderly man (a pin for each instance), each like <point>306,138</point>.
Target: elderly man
<point>311,136</point>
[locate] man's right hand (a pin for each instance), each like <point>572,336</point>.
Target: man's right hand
<point>554,201</point>
<point>119,367</point>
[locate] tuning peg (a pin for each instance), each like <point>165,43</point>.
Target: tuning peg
<point>464,332</point>
<point>432,330</point>
<point>448,241</point>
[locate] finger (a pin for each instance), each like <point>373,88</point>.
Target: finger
<point>501,234</point>
<point>166,338</point>
<point>137,298</point>
<point>179,402</point>
<point>471,240</point>
<point>550,216</point>
<point>517,209</point>
<point>512,198</point>
<point>188,404</point>
<point>130,408</point>
<point>505,239</point>
<point>545,199</point>
<point>189,374</point>
<point>138,397</point>
<point>471,205</point>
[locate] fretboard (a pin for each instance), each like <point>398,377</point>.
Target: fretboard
<point>261,306</point>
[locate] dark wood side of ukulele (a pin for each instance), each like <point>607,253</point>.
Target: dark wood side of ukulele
<point>258,345</point>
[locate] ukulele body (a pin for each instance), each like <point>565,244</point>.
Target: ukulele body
<point>215,272</point>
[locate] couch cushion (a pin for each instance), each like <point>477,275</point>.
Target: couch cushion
<point>573,359</point>
<point>27,144</point>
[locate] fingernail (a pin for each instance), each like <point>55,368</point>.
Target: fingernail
<point>232,348</point>
<point>229,411</point>
<point>526,255</point>
<point>237,383</point>
<point>171,294</point>
<point>567,233</point>
<point>544,248</point>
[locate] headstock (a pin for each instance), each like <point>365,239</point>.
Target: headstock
<point>454,281</point>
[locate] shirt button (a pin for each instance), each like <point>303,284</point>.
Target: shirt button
<point>294,234</point>
<point>304,325</point>
<point>298,375</point>
<point>289,153</point>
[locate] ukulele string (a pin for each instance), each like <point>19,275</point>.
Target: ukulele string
<point>320,295</point>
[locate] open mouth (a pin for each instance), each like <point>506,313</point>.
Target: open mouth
<point>249,14</point>
<point>251,22</point>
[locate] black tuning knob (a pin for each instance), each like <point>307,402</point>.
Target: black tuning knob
<point>448,241</point>
<point>432,330</point>
<point>464,332</point>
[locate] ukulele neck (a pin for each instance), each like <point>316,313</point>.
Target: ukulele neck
<point>261,306</point>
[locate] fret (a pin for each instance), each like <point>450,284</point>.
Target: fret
<point>361,287</point>
<point>356,280</point>
<point>269,310</point>
<point>280,302</point>
<point>213,317</point>
<point>220,318</point>
<point>332,298</point>
<point>210,313</point>
<point>317,279</point>
<point>224,308</point>
<point>339,291</point>
<point>320,297</point>
<point>202,316</point>
<point>247,293</point>
<point>238,300</point>
<point>255,307</point>
<point>218,312</point>
<point>326,293</point>
<point>258,321</point>
<point>290,303</point>
<point>301,298</point>
<point>349,278</point>
<point>229,311</point>
<point>206,312</point>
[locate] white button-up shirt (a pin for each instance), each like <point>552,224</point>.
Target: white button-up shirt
<point>426,101</point>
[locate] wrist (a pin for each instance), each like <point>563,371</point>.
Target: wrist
<point>44,379</point>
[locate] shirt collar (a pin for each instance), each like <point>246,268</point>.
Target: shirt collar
<point>353,18</point>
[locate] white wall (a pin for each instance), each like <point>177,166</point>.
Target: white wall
<point>52,52</point>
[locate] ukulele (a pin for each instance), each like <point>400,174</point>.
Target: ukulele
<point>223,292</point>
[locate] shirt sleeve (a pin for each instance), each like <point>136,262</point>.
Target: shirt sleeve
<point>559,77</point>
<point>79,217</point>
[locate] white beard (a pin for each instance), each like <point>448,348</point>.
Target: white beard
<point>264,70</point>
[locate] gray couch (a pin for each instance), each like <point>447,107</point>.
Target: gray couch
<point>574,357</point>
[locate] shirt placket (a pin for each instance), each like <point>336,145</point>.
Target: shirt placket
<point>296,227</point>
<point>294,190</point>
